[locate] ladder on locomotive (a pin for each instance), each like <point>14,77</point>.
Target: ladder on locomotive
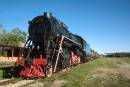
<point>55,50</point>
<point>58,50</point>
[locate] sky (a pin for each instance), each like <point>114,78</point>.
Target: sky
<point>104,24</point>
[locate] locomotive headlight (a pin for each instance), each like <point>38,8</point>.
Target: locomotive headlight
<point>38,47</point>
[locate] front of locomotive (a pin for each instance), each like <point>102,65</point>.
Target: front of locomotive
<point>34,60</point>
<point>40,28</point>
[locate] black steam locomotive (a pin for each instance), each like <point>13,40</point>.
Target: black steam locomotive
<point>50,47</point>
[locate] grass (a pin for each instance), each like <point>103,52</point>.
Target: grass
<point>1,74</point>
<point>102,72</point>
<point>82,75</point>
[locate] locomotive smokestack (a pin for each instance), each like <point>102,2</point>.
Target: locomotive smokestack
<point>48,14</point>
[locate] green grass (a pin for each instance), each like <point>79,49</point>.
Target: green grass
<point>1,74</point>
<point>82,75</point>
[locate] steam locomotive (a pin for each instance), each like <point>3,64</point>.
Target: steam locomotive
<point>50,47</point>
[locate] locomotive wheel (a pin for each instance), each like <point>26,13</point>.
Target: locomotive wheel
<point>49,70</point>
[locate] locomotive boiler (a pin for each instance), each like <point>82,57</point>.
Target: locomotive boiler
<point>50,47</point>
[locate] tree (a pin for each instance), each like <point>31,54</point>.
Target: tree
<point>20,36</point>
<point>118,54</point>
<point>14,38</point>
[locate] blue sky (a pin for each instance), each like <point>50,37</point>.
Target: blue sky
<point>104,24</point>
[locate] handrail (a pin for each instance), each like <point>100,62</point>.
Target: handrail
<point>60,48</point>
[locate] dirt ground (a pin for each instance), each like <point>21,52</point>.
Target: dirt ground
<point>120,67</point>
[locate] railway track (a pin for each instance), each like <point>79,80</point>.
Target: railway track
<point>16,82</point>
<point>9,81</point>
